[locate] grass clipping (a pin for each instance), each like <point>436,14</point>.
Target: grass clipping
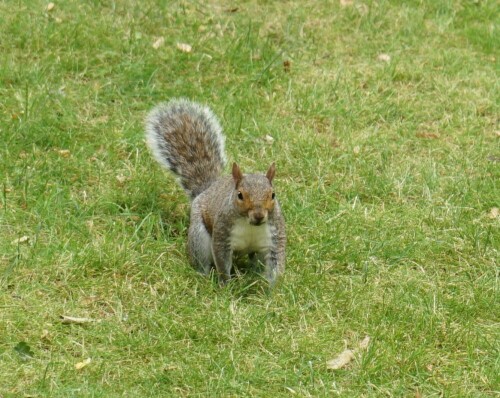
<point>346,356</point>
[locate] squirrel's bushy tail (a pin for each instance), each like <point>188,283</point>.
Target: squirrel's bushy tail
<point>186,138</point>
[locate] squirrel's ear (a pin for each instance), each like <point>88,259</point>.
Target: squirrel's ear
<point>237,175</point>
<point>270,173</point>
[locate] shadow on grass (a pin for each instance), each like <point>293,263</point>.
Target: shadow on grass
<point>247,280</point>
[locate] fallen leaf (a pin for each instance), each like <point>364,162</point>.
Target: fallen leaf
<point>158,43</point>
<point>347,355</point>
<point>50,6</point>
<point>427,135</point>
<point>73,319</point>
<point>286,65</point>
<point>121,178</point>
<point>268,139</point>
<point>363,345</point>
<point>81,365</point>
<point>24,350</point>
<point>256,56</point>
<point>90,224</point>
<point>185,48</point>
<point>384,57</point>
<point>89,300</point>
<point>494,213</point>
<point>356,149</point>
<point>341,360</point>
<point>22,239</point>
<point>345,3</point>
<point>64,152</point>
<point>497,133</point>
<point>219,30</point>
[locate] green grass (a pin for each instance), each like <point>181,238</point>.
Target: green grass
<point>387,172</point>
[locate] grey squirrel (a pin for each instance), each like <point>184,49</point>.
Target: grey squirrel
<point>238,213</point>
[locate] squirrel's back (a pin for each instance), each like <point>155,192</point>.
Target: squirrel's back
<point>186,138</point>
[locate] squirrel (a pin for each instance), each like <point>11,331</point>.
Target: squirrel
<point>237,213</point>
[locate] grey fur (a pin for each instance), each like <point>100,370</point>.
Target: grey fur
<point>187,139</point>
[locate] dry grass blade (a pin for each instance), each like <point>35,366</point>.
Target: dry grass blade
<point>76,320</point>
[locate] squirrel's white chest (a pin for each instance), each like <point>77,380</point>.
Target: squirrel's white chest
<point>248,238</point>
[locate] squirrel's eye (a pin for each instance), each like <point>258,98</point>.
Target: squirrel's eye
<point>240,196</point>
<point>272,196</point>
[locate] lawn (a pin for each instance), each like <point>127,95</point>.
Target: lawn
<point>383,120</point>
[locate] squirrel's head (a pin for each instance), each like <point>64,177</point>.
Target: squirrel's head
<point>254,194</point>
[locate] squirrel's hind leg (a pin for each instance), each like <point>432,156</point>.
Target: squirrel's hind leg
<point>275,265</point>
<point>256,261</point>
<point>199,244</point>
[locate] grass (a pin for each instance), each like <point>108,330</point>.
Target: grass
<point>388,173</point>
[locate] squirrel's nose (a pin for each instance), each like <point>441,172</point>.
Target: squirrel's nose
<point>258,218</point>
